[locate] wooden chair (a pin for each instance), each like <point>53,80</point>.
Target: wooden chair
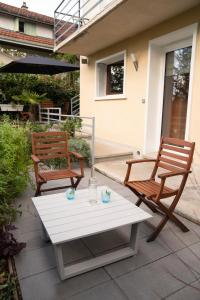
<point>175,156</point>
<point>50,145</point>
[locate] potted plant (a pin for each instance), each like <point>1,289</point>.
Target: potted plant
<point>30,98</point>
<point>6,106</point>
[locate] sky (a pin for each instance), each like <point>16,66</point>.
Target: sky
<point>45,7</point>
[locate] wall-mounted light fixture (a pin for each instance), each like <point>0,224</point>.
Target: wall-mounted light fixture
<point>84,60</point>
<point>134,60</point>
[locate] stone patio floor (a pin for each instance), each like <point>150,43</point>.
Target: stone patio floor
<point>168,268</point>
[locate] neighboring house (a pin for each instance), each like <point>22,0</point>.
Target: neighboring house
<point>24,30</point>
<point>141,78</point>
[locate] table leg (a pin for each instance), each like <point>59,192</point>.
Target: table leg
<point>99,261</point>
<point>59,261</point>
<point>134,236</point>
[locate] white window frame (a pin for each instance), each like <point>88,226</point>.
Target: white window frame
<point>107,60</point>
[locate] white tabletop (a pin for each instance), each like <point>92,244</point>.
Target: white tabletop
<point>66,220</point>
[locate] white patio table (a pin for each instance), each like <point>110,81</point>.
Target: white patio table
<point>66,220</point>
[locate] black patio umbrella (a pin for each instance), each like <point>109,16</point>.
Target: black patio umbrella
<point>38,65</point>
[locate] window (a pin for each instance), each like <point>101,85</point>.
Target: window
<point>110,76</point>
<point>115,78</point>
<point>21,26</point>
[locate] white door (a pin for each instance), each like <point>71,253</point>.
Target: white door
<point>169,78</point>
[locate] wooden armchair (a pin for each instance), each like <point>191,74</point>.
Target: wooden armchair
<point>175,156</point>
<point>51,145</point>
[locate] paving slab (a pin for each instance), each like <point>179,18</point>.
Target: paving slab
<point>147,253</point>
<point>189,292</point>
<point>35,261</point>
<point>106,291</point>
<point>41,259</point>
<point>48,286</point>
<point>155,281</point>
<point>107,241</point>
<point>173,253</point>
<point>191,260</point>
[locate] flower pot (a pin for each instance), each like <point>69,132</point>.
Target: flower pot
<point>11,107</point>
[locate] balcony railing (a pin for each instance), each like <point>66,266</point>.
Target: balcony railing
<point>71,15</point>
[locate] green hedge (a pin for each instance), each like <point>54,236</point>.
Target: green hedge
<point>14,160</point>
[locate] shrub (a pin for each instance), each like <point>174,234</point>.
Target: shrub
<point>81,146</point>
<point>7,282</point>
<point>14,160</point>
<point>70,125</point>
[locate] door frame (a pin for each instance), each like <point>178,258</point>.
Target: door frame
<point>155,82</point>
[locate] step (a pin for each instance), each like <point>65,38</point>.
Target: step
<point>116,170</point>
<point>85,133</point>
<point>105,150</point>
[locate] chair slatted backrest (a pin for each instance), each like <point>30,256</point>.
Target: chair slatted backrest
<point>174,155</point>
<point>50,145</point>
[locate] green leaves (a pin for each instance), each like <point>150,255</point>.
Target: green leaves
<point>29,97</point>
<point>14,160</point>
<point>59,88</point>
<point>70,125</point>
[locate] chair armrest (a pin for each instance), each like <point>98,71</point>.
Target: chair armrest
<point>77,155</point>
<point>136,161</point>
<point>131,162</point>
<point>171,174</point>
<point>35,158</point>
<point>81,161</point>
<point>41,177</point>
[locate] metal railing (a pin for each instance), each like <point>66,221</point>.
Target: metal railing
<point>45,113</point>
<point>71,15</point>
<point>75,105</point>
<point>54,116</point>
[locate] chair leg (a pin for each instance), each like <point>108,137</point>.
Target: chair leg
<point>77,182</point>
<point>38,192</point>
<point>72,182</point>
<point>174,219</point>
<point>150,206</point>
<point>138,203</point>
<point>154,235</point>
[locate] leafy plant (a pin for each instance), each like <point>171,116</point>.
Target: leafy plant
<point>80,146</point>
<point>70,125</point>
<point>8,213</point>
<point>2,97</point>
<point>9,246</point>
<point>108,193</point>
<point>7,282</point>
<point>59,88</point>
<point>29,97</point>
<point>14,160</point>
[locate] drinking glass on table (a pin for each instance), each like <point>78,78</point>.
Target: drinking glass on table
<point>70,193</point>
<point>92,190</point>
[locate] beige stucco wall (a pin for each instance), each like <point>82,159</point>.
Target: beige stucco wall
<point>4,59</point>
<point>123,121</point>
<point>7,22</point>
<point>44,31</point>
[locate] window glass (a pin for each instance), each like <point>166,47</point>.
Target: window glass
<point>176,88</point>
<point>21,26</point>
<point>115,78</point>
